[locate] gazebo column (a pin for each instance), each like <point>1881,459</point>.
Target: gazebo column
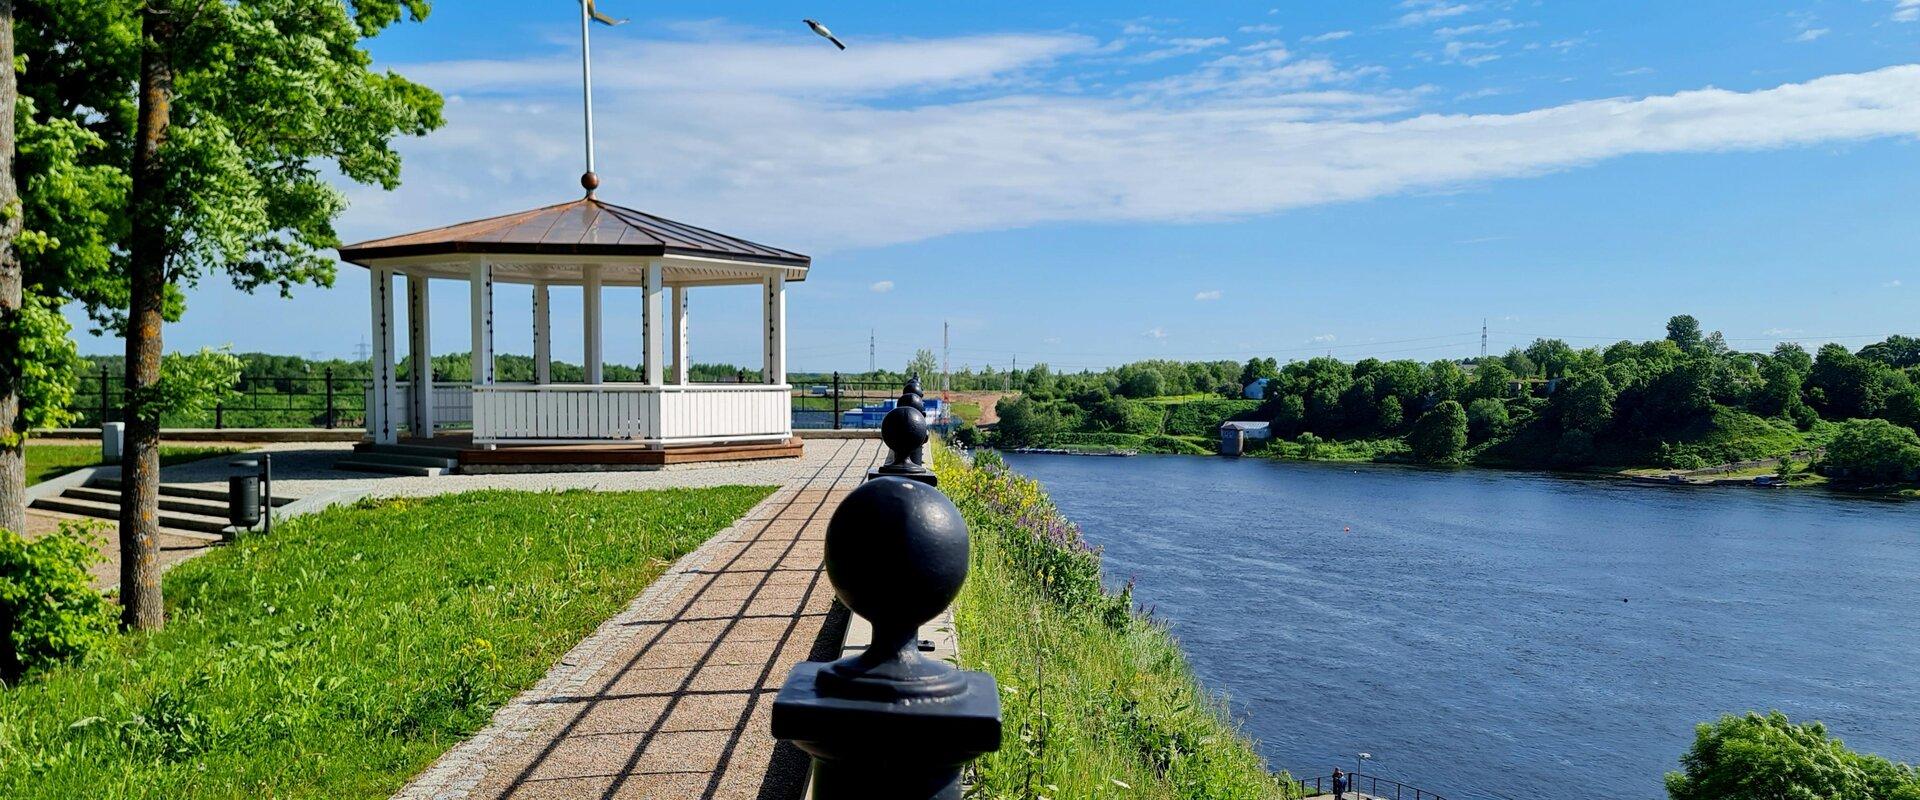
<point>380,405</point>
<point>482,285</point>
<point>420,347</point>
<point>652,323</point>
<point>590,316</point>
<point>679,377</point>
<point>773,306</point>
<point>542,334</point>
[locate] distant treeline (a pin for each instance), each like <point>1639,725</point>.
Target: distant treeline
<point>1686,400</point>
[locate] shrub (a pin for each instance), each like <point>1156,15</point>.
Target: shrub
<point>1873,450</point>
<point>1440,437</point>
<point>49,611</point>
<point>1487,418</point>
<point>1764,758</point>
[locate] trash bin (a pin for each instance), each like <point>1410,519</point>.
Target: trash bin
<point>243,501</point>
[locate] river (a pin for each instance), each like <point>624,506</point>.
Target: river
<point>1491,634</point>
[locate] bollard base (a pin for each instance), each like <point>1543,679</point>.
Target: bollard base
<point>909,750</point>
<point>927,478</point>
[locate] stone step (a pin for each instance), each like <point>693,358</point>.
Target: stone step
<point>185,505</point>
<point>367,463</point>
<point>194,492</point>
<point>450,454</point>
<point>186,525</point>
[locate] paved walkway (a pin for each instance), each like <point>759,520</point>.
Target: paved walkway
<point>670,699</point>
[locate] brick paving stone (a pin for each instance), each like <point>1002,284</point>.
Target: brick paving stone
<point>670,698</point>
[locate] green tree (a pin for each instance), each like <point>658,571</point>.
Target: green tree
<point>1391,415</point>
<point>1873,450</point>
<point>1684,332</point>
<point>1552,355</point>
<point>1770,757</point>
<point>1492,379</point>
<point>1587,405</point>
<point>225,118</point>
<point>1487,418</point>
<point>925,365</point>
<point>1440,437</point>
<point>1025,422</point>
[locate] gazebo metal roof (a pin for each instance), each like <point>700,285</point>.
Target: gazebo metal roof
<point>584,227</point>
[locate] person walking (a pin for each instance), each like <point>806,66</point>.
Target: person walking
<point>1339,784</point>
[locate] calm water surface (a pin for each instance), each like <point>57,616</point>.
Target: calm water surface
<point>1507,635</point>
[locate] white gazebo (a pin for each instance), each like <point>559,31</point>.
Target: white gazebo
<point>592,245</point>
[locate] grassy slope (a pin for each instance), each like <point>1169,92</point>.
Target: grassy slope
<point>342,654</point>
<point>1097,702</point>
<point>53,460</point>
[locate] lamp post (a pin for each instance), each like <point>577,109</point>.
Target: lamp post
<point>1359,757</point>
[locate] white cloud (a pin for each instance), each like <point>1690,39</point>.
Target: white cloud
<point>1906,10</point>
<point>1213,294</point>
<point>1155,333</point>
<point>937,137</point>
<point>1322,338</point>
<point>1259,29</point>
<point>1182,47</point>
<point>1482,29</point>
<point>1329,36</point>
<point>881,286</point>
<point>1892,284</point>
<point>1782,331</point>
<point>1421,12</point>
<point>1811,34</point>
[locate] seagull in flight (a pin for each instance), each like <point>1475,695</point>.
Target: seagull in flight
<point>822,30</point>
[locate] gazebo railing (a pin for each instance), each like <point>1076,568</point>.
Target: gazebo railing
<point>578,412</point>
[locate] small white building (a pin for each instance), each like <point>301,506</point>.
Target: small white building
<point>584,245</point>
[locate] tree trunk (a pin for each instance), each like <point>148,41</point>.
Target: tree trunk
<point>13,434</point>
<point>141,604</point>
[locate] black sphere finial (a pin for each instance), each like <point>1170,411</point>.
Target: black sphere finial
<point>904,429</point>
<point>896,552</point>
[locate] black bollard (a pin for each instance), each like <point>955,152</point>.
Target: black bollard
<point>904,429</point>
<point>912,396</point>
<point>888,721</point>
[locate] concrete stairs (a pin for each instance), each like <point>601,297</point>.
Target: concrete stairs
<point>186,512</point>
<point>401,459</point>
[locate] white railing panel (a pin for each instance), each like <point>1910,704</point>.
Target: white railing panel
<point>628,412</point>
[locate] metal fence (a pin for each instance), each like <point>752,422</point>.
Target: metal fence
<point>1360,786</point>
<point>309,400</point>
<point>824,405</point>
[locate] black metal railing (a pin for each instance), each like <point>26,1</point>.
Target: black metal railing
<point>823,404</point>
<point>304,400</point>
<point>1362,785</point>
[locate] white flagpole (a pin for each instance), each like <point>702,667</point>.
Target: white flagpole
<point>589,180</point>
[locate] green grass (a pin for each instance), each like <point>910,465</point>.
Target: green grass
<point>1350,450</point>
<point>967,412</point>
<point>1097,701</point>
<point>342,654</point>
<point>46,461</point>
<point>1176,399</point>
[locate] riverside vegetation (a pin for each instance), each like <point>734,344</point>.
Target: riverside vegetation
<point>1098,699</point>
<point>338,656</point>
<point>1685,401</point>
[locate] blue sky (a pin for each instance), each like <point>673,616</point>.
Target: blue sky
<point>1085,184</point>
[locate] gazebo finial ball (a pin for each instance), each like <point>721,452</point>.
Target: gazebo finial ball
<point>904,429</point>
<point>896,552</point>
<point>589,181</point>
<point>913,385</point>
